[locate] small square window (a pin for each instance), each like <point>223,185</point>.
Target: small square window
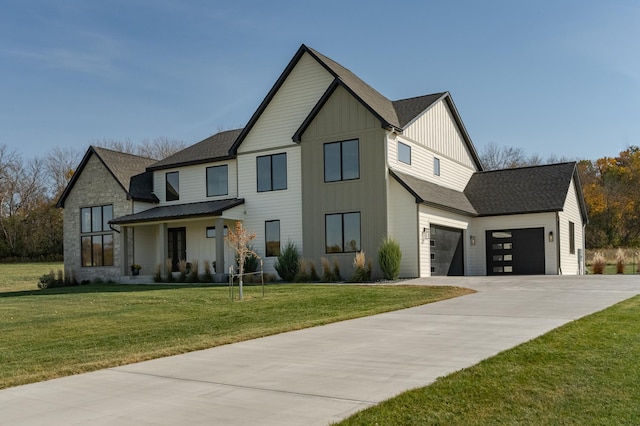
<point>404,153</point>
<point>436,166</point>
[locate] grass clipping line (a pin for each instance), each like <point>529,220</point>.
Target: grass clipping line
<point>57,332</point>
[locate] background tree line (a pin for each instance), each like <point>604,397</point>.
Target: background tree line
<point>31,225</point>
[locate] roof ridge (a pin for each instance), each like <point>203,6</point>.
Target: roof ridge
<point>421,96</point>
<point>101,148</point>
<point>532,166</point>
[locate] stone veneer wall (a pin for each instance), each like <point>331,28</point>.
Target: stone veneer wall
<point>95,186</point>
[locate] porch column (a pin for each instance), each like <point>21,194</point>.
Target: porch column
<point>220,266</point>
<point>162,250</point>
<point>124,250</point>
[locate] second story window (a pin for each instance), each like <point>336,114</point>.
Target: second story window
<point>436,166</point>
<point>173,186</point>
<point>217,180</point>
<point>404,153</point>
<point>341,161</point>
<point>272,172</point>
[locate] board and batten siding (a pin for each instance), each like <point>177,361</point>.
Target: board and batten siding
<point>294,100</point>
<point>477,257</point>
<point>428,216</point>
<point>437,130</point>
<point>344,118</point>
<point>402,219</point>
<point>283,205</point>
<point>571,212</point>
<point>193,183</point>
<point>453,175</point>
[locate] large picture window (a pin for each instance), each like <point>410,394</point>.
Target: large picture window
<point>96,236</point>
<point>272,238</point>
<point>217,180</point>
<point>342,232</point>
<point>272,172</point>
<point>173,186</point>
<point>341,161</point>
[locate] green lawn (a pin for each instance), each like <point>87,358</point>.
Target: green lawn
<point>56,332</point>
<point>24,276</point>
<point>585,373</point>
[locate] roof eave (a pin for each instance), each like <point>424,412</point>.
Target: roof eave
<point>190,163</point>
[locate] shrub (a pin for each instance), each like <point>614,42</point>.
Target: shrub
<point>286,263</point>
<point>336,270</point>
<point>599,263</point>
<point>301,275</point>
<point>192,276</point>
<point>47,280</point>
<point>251,262</point>
<point>207,277</point>
<point>621,259</point>
<point>389,256</point>
<point>182,267</point>
<point>362,271</point>
<point>313,274</point>
<point>157,277</point>
<point>169,264</point>
<point>327,273</point>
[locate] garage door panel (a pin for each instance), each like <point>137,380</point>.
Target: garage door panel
<point>446,251</point>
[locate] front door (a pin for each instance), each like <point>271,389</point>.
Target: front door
<point>177,242</point>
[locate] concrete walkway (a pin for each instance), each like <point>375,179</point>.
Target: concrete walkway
<point>324,374</point>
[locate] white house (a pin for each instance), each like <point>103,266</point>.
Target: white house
<point>329,164</point>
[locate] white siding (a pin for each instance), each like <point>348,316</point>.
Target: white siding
<point>193,183</point>
<point>145,239</point>
<point>402,220</point>
<point>477,256</point>
<point>289,107</point>
<point>284,205</point>
<point>569,262</point>
<point>437,130</point>
<point>453,174</point>
<point>431,216</point>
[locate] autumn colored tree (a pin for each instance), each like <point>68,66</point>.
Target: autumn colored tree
<point>240,240</point>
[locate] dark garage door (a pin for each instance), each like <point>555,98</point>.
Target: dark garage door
<point>446,251</point>
<point>515,252</point>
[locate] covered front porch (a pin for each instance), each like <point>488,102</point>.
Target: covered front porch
<point>160,238</point>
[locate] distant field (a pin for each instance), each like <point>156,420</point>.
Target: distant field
<point>24,276</point>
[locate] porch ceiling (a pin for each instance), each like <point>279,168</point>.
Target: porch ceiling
<point>179,211</point>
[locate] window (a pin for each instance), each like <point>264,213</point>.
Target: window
<point>342,232</point>
<point>341,161</point>
<point>272,172</point>
<point>211,231</point>
<point>96,236</point>
<point>272,238</point>
<point>217,180</point>
<point>572,238</point>
<point>173,186</point>
<point>404,153</point>
<point>436,166</point>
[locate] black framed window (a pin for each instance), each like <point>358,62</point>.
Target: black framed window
<point>341,161</point>
<point>173,186</point>
<point>342,232</point>
<point>217,180</point>
<point>96,236</point>
<point>572,238</point>
<point>272,172</point>
<point>404,153</point>
<point>272,238</point>
<point>212,233</point>
<point>436,166</point>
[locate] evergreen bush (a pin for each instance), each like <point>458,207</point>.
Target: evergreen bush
<point>389,256</point>
<point>286,264</point>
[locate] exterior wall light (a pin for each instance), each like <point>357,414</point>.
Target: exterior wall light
<point>472,240</point>
<point>550,236</point>
<point>425,234</point>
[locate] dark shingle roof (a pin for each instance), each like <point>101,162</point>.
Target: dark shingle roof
<point>141,188</point>
<point>408,109</point>
<point>180,211</point>
<point>122,167</point>
<point>216,147</point>
<point>434,194</point>
<point>523,190</point>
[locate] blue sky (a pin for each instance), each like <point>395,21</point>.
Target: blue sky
<point>552,77</point>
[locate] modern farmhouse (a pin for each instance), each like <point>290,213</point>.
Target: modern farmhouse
<point>331,165</point>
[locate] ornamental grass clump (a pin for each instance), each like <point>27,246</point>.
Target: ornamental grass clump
<point>286,264</point>
<point>599,263</point>
<point>302,276</point>
<point>389,256</point>
<point>621,259</point>
<point>362,271</point>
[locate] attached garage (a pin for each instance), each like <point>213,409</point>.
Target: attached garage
<point>515,251</point>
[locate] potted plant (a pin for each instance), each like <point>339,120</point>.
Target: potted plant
<point>135,269</point>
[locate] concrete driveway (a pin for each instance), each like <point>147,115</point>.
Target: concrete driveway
<point>324,374</point>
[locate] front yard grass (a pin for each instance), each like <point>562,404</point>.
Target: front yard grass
<point>63,331</point>
<point>584,373</point>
